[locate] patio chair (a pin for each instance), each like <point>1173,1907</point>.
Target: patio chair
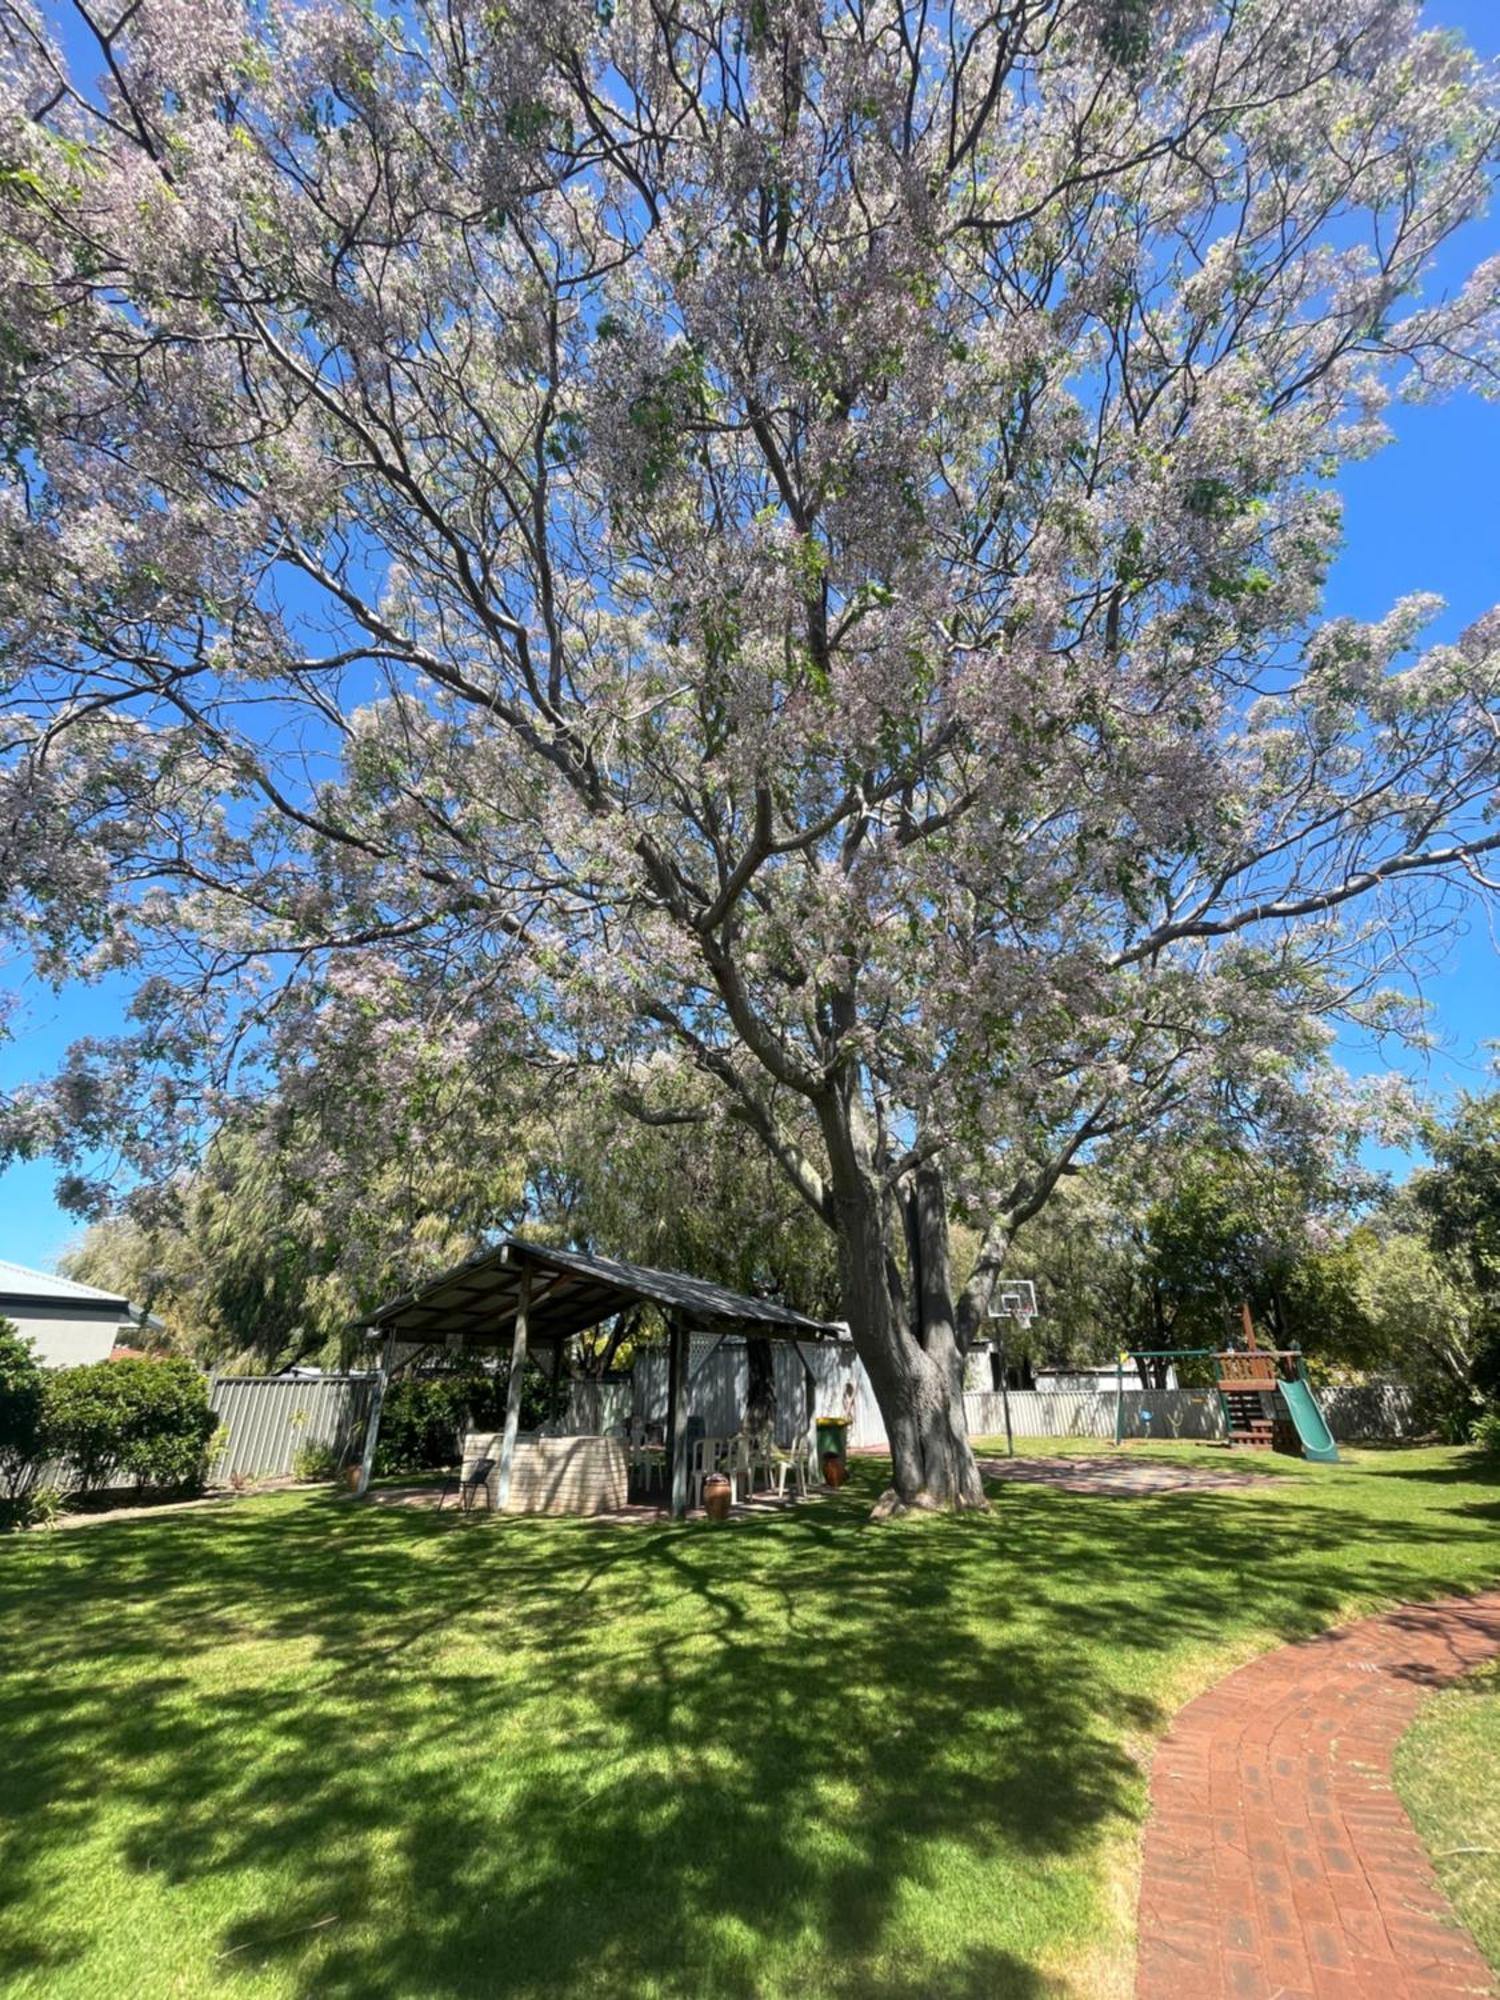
<point>467,1485</point>
<point>704,1454</point>
<point>754,1463</point>
<point>647,1464</point>
<point>788,1464</point>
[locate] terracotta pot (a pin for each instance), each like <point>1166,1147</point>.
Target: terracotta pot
<point>833,1469</point>
<point>716,1497</point>
<point>351,1477</point>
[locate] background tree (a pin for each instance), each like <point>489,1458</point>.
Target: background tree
<point>390,1144</point>
<point>793,534</point>
<point>1458,1200</point>
<point>683,1186</point>
<point>1416,1325</point>
<point>374,1167</point>
<point>20,1414</point>
<point>1085,1255</point>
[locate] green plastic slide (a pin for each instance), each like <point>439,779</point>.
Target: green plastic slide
<point>1317,1438</point>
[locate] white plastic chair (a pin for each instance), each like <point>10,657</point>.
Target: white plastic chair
<point>741,1477</point>
<point>646,1465</point>
<point>757,1461</point>
<point>788,1465</point>
<point>703,1461</point>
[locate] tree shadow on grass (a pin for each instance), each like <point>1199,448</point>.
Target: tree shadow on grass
<point>417,1754</point>
<point>1472,1468</point>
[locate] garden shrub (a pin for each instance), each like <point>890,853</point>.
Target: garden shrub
<point>1486,1433</point>
<point>42,1507</point>
<point>317,1461</point>
<point>424,1417</point>
<point>113,1421</point>
<point>20,1415</point>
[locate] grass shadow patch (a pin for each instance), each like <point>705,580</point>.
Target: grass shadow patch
<point>301,1747</point>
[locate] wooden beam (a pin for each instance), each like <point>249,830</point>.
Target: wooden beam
<point>513,1393</point>
<point>677,1360</point>
<point>372,1422</point>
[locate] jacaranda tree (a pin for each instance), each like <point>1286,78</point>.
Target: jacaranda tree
<point>788,530</point>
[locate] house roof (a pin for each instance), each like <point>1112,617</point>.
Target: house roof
<point>20,1285</point>
<point>476,1302</point>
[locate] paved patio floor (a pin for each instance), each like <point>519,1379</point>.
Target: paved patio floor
<point>1124,1477</point>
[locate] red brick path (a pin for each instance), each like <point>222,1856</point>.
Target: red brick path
<point>1278,1860</point>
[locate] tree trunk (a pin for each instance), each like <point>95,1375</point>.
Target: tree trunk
<point>904,1334</point>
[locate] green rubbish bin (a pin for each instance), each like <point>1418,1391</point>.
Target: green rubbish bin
<point>833,1437</point>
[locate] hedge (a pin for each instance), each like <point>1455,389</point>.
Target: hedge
<point>21,1397</point>
<point>113,1422</point>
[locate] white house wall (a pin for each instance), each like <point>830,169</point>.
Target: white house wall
<point>64,1339</point>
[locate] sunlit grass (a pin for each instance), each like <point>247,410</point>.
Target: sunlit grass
<point>1448,1775</point>
<point>298,1747</point>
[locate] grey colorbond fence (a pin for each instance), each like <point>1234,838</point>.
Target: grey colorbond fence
<point>1175,1413</point>
<point>1352,1410</point>
<point>597,1407</point>
<point>1369,1410</point>
<point>720,1381</point>
<point>270,1418</point>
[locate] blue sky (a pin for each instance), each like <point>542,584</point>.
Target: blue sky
<point>1420,516</point>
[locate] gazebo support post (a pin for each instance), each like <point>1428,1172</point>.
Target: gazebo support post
<point>677,1361</point>
<point>809,1399</point>
<point>513,1390</point>
<point>372,1422</point>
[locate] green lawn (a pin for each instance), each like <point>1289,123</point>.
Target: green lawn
<point>293,1746</point>
<point>1448,1775</point>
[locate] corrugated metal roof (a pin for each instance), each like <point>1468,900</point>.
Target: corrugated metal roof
<point>44,1287</point>
<point>477,1300</point>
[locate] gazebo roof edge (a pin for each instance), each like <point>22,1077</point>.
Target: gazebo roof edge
<point>478,1298</point>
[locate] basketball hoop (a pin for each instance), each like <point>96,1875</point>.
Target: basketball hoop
<point>1014,1300</point>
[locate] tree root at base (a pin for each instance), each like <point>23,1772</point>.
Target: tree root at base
<point>891,1505</point>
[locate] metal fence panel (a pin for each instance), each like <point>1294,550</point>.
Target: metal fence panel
<point>1060,1413</point>
<point>1352,1410</point>
<point>719,1382</point>
<point>1369,1410</point>
<point>595,1408</point>
<point>270,1418</point>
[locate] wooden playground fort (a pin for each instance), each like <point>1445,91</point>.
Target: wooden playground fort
<point>1264,1393</point>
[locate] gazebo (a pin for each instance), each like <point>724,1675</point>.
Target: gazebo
<point>529,1296</point>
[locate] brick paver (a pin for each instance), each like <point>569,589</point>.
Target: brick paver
<point>1279,1863</point>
